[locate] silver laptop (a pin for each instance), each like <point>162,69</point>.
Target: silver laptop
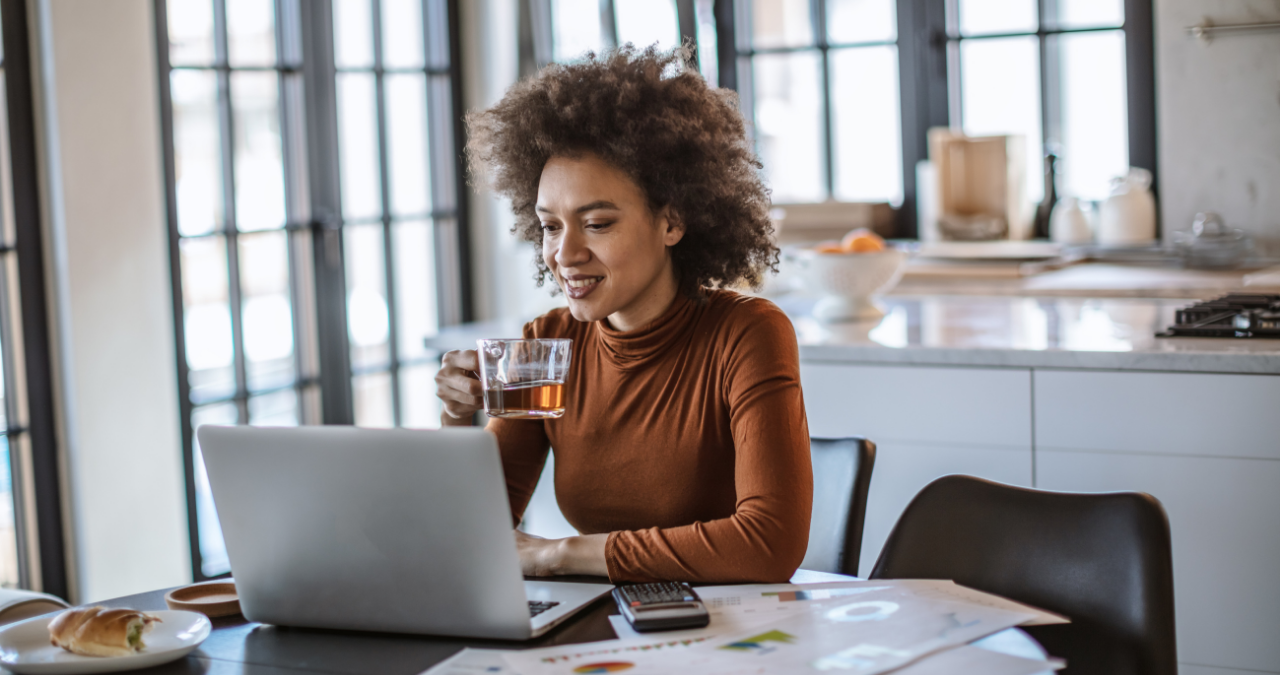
<point>377,529</point>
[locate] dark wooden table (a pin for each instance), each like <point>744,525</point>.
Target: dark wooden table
<point>237,646</point>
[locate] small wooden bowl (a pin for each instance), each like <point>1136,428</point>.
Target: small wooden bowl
<point>211,598</point>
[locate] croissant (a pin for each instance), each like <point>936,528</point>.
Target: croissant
<point>97,631</point>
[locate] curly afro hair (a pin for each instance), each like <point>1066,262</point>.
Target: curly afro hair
<point>653,117</point>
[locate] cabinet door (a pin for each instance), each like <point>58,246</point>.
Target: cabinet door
<point>926,423</point>
<point>902,469</point>
<point>1207,415</point>
<point>982,407</point>
<point>1226,544</point>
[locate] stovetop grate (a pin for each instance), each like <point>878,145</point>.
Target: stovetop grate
<point>1235,315</point>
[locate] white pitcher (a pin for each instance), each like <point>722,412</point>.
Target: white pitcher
<point>1128,216</point>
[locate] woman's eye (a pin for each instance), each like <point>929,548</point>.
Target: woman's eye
<point>599,226</point>
<point>550,227</point>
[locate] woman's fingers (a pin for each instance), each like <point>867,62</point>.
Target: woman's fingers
<point>456,384</point>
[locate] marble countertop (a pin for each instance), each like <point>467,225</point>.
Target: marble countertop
<point>995,331</point>
<point>1026,332</point>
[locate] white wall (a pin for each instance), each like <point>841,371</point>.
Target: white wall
<point>108,235</point>
<point>1218,109</point>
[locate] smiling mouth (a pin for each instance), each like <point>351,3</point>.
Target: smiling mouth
<point>579,288</point>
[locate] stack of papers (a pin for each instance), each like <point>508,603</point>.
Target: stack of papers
<point>906,627</point>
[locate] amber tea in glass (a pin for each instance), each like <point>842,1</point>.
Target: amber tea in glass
<point>524,379</point>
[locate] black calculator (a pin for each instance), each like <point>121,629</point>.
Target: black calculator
<point>661,606</point>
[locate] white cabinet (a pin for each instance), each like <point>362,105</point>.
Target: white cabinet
<point>1206,446</point>
<point>926,423</point>
<point>971,406</point>
<point>1226,544</point>
<point>902,469</point>
<point>1199,414</point>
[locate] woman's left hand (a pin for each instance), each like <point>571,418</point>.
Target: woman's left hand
<point>541,557</point>
<point>538,557</point>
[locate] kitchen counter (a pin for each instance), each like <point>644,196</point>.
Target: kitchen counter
<point>995,331</point>
<point>1026,332</point>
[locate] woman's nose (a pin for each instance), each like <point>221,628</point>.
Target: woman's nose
<point>573,249</point>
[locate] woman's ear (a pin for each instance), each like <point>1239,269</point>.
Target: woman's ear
<point>672,226</point>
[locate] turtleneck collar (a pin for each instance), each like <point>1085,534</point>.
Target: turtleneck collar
<point>632,349</point>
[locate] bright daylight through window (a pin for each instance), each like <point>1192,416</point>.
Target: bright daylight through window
<point>306,293</point>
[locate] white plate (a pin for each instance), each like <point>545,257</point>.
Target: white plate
<point>25,647</point>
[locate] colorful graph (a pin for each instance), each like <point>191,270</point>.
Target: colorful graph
<point>756,643</point>
<point>820,594</point>
<point>605,667</point>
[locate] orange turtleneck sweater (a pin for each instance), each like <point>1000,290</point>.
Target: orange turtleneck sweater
<point>685,440</point>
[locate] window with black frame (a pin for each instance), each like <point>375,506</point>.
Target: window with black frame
<point>10,416</point>
<point>316,234</point>
<point>32,554</point>
<point>824,80</point>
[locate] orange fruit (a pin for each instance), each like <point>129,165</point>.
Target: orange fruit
<point>829,247</point>
<point>862,240</point>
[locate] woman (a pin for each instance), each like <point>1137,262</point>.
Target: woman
<point>683,453</point>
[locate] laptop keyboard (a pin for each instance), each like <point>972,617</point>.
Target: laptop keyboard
<point>537,607</point>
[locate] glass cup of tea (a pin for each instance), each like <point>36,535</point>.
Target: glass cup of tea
<point>523,379</point>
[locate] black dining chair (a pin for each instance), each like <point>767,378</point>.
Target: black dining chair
<point>1103,560</point>
<point>841,478</point>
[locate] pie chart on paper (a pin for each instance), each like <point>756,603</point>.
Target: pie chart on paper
<point>606,667</point>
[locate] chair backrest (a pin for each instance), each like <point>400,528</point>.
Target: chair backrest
<point>841,478</point>
<point>1103,560</point>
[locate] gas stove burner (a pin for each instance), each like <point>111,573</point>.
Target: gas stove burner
<point>1235,315</point>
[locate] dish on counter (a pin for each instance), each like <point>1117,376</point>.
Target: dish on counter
<point>25,646</point>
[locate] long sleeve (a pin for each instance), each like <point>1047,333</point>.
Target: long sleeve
<point>765,539</point>
<point>523,447</point>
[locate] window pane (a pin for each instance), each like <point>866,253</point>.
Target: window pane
<point>1000,94</point>
<point>266,310</point>
<point>781,23</point>
<point>190,32</point>
<point>997,16</point>
<point>407,144</point>
<point>868,141</point>
<point>788,125</point>
<point>402,34</point>
<point>575,28</point>
<point>353,33</point>
<point>419,406</point>
<point>373,400</point>
<point>197,158</point>
<point>1090,13</point>
<point>251,38</point>
<point>259,170</point>
<point>213,551</point>
<point>207,318</point>
<point>8,520</point>
<point>861,20</point>
<point>1095,127</point>
<point>277,409</point>
<point>647,22</point>
<point>367,321</point>
<point>358,146</point>
<point>415,286</point>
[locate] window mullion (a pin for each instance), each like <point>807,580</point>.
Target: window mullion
<point>324,192</point>
<point>384,172</point>
<point>449,194</point>
<point>226,124</point>
<point>819,21</point>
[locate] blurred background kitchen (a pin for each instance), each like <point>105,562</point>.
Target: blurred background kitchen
<point>247,211</point>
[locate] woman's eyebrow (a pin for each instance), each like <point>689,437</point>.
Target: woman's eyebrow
<point>593,206</point>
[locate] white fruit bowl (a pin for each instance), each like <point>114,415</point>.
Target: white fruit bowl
<point>849,282</point>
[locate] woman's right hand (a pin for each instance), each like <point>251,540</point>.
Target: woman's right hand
<point>458,387</point>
